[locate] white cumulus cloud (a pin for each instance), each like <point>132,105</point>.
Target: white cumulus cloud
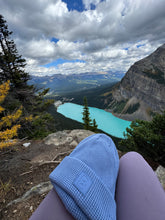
<point>111,37</point>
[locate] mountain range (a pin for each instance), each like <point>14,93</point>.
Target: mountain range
<point>62,84</point>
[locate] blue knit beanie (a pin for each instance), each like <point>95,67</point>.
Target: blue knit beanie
<point>85,180</point>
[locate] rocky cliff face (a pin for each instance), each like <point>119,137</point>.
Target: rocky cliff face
<point>142,91</point>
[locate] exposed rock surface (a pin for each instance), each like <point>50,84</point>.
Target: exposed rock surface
<point>61,141</point>
<point>70,137</point>
<point>142,88</point>
<point>160,172</point>
<point>39,189</point>
<point>57,103</point>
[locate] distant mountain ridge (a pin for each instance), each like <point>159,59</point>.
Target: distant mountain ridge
<point>59,83</point>
<point>141,92</point>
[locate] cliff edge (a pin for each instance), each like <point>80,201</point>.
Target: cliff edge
<point>141,92</point>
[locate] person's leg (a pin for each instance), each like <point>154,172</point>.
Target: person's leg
<point>139,194</point>
<point>51,208</point>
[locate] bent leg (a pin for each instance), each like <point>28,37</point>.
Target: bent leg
<point>51,208</point>
<point>139,194</point>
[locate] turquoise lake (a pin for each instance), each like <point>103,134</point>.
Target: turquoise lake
<point>105,120</point>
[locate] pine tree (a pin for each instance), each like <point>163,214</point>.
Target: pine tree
<point>12,66</point>
<point>86,115</point>
<point>11,63</point>
<point>94,125</point>
<point>8,123</point>
<point>88,123</point>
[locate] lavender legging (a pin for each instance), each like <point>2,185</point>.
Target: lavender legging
<point>139,194</point>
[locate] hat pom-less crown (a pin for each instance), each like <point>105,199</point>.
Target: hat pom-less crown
<point>86,179</point>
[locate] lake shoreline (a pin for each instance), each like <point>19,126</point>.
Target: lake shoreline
<point>121,116</point>
<point>125,117</point>
<point>105,120</point>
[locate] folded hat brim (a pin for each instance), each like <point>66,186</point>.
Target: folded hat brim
<point>82,191</point>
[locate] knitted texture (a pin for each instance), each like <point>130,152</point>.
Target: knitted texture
<point>86,179</point>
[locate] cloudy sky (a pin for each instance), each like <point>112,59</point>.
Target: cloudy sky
<point>75,36</point>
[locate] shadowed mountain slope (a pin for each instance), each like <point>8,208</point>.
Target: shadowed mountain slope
<point>141,92</point>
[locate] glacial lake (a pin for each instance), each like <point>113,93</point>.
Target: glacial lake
<point>105,120</point>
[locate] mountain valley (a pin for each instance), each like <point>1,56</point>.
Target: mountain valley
<point>61,84</point>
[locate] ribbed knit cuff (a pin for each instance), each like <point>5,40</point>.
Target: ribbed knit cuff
<point>83,193</point>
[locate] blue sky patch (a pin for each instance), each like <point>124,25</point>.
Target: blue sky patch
<point>53,39</point>
<point>93,7</point>
<point>61,61</point>
<point>74,5</point>
<point>140,45</point>
<point>78,5</point>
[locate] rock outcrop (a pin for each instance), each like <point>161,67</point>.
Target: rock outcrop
<point>67,137</point>
<point>160,172</point>
<point>38,189</point>
<point>141,92</point>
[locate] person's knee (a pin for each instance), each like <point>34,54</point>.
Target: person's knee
<point>132,154</point>
<point>131,159</point>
